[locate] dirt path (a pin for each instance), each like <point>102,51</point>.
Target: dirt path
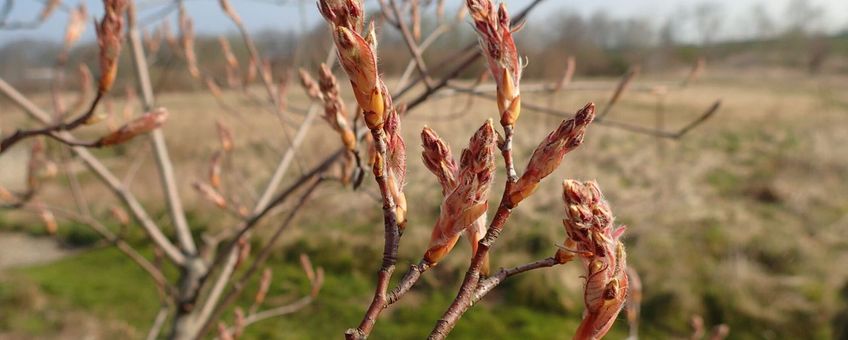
<point>17,250</point>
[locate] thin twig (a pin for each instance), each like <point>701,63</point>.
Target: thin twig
<point>611,123</point>
<point>414,50</point>
<point>239,285</point>
<point>278,311</point>
<point>486,285</point>
<point>407,282</point>
<point>391,242</point>
<point>158,322</point>
<point>380,299</point>
<point>160,149</point>
<point>622,86</point>
<point>466,292</point>
<point>462,59</point>
<point>20,135</point>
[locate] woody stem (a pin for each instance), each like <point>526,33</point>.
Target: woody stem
<point>392,239</point>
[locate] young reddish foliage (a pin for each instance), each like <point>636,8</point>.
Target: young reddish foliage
<point>468,200</point>
<point>588,223</point>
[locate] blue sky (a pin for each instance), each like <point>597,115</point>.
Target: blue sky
<point>264,14</point>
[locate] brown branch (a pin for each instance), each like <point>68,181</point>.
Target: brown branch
<point>20,135</point>
<point>384,9</point>
<point>466,292</point>
<point>507,89</point>
<point>622,86</point>
<point>409,279</point>
<point>381,299</point>
<point>227,258</point>
<point>586,85</point>
<point>158,322</point>
<point>160,148</point>
<point>432,37</point>
<point>567,76</point>
<point>267,79</point>
<point>462,59</point>
<point>391,242</point>
<point>414,50</point>
<point>611,123</point>
<point>240,284</point>
<point>486,285</point>
<point>706,115</point>
<point>278,311</point>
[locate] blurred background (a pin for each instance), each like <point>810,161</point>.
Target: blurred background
<point>742,220</point>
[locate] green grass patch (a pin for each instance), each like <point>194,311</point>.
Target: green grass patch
<point>108,285</point>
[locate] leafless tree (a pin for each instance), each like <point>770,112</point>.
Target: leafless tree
<point>214,269</point>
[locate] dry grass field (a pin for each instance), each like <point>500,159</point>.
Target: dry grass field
<point>743,221</point>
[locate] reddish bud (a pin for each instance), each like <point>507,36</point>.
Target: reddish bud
<point>49,220</point>
<point>549,154</point>
<point>438,159</point>
<point>589,225</point>
<point>75,26</point>
<point>225,137</point>
<point>215,166</point>
<point>224,332</point>
<point>238,323</point>
<point>48,9</point>
<point>120,215</point>
<point>264,285</point>
<point>35,165</point>
<point>147,122</point>
<point>468,201</point>
<point>227,51</point>
<point>360,63</point>
<point>6,195</point>
<point>396,164</point>
<point>318,283</point>
<point>85,88</point>
<point>244,250</point>
<point>309,85</point>
<point>251,72</point>
<point>306,264</point>
<point>335,112</point>
<point>229,11</point>
<point>210,194</point>
<point>493,29</point>
<point>109,38</point>
<point>343,13</point>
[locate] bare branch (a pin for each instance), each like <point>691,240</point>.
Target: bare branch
<point>278,311</point>
<point>611,123</point>
<point>160,149</point>
<point>158,322</point>
<point>114,184</point>
<point>622,86</point>
<point>239,285</point>
<point>411,43</point>
<point>486,285</point>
